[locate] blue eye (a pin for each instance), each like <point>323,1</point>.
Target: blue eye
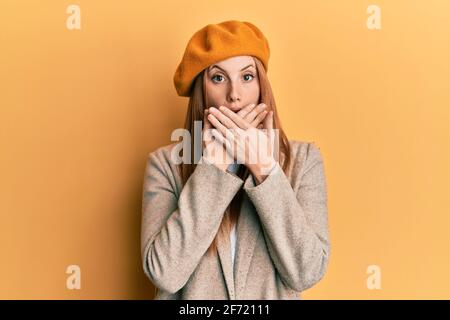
<point>249,74</point>
<point>213,78</point>
<point>217,75</point>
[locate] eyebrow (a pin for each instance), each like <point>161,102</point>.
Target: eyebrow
<point>216,66</point>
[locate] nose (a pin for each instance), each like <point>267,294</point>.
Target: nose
<point>234,99</point>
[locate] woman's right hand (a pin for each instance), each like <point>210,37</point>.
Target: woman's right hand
<point>214,151</point>
<point>254,114</point>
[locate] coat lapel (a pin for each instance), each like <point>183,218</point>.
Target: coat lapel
<point>247,230</point>
<point>224,251</point>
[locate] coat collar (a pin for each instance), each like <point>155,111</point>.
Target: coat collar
<point>247,231</point>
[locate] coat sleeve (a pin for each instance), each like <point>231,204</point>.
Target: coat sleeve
<point>295,223</point>
<point>177,231</point>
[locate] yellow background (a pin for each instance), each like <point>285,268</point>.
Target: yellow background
<point>81,109</point>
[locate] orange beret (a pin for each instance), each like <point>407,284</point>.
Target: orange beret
<point>216,42</point>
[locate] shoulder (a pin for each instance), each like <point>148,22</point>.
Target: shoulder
<point>304,156</point>
<point>161,167</point>
<point>164,153</point>
<point>166,158</point>
<point>308,150</point>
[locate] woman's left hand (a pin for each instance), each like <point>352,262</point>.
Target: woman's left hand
<point>248,145</point>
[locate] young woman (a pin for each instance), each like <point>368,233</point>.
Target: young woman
<point>245,230</point>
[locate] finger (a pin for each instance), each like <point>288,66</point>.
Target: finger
<point>206,132</point>
<point>244,111</point>
<point>254,113</point>
<point>221,155</point>
<point>206,123</point>
<point>223,140</point>
<point>271,120</point>
<point>259,118</point>
<point>223,118</point>
<point>240,122</point>
<point>268,121</point>
<point>218,125</point>
<point>274,134</point>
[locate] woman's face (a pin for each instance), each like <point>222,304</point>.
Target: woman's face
<point>232,83</point>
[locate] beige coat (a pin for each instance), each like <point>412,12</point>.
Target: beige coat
<point>282,244</point>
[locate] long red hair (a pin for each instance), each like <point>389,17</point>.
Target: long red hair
<point>196,107</point>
